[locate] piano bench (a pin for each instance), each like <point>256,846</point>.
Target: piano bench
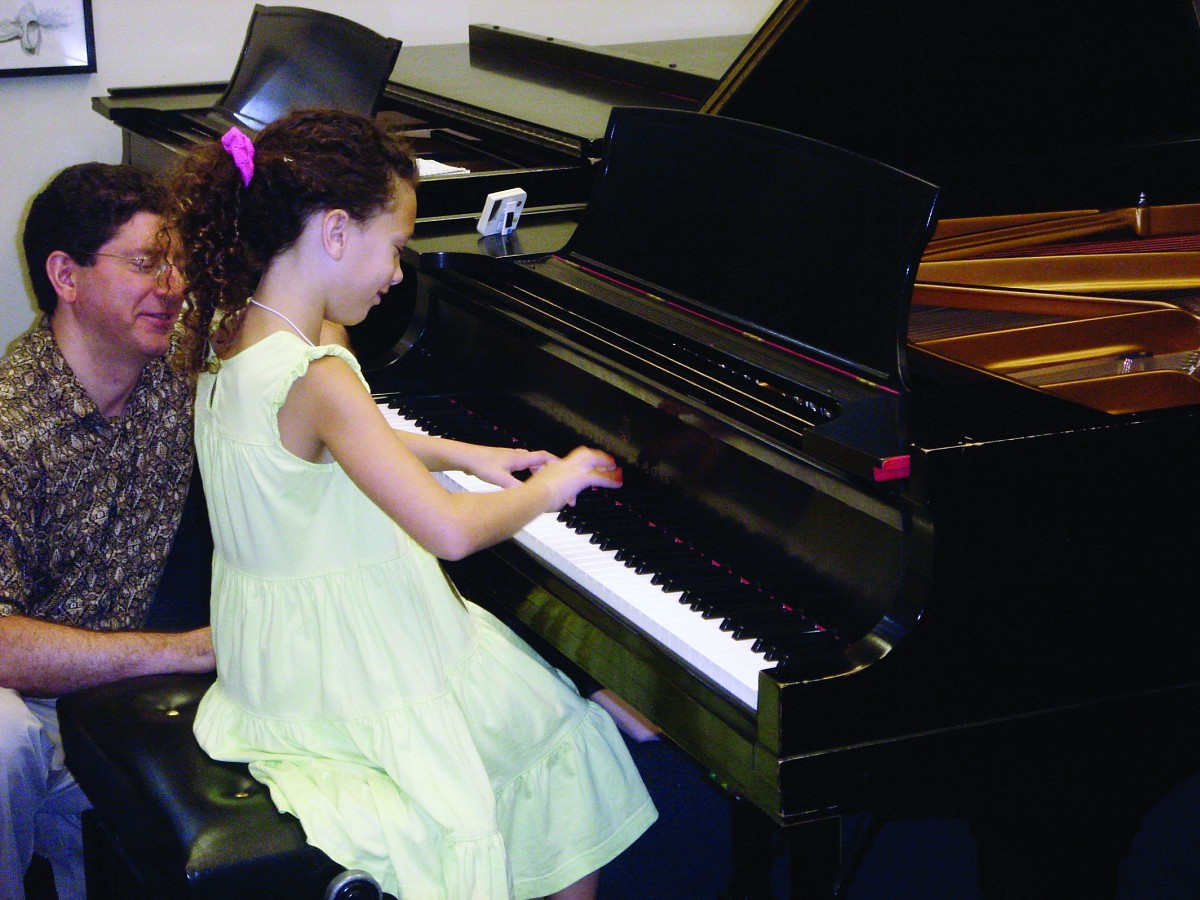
<point>169,822</point>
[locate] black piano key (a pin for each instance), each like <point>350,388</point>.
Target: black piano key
<point>697,581</point>
<point>637,538</point>
<point>433,428</point>
<point>457,422</point>
<point>675,569</point>
<point>646,545</point>
<point>716,602</point>
<point>780,650</point>
<point>759,612</point>
<point>609,539</point>
<point>722,604</point>
<point>596,517</point>
<point>718,599</point>
<point>713,601</point>
<point>587,524</point>
<point>655,565</point>
<point>777,632</point>
<point>767,611</point>
<point>738,605</point>
<point>596,501</point>
<point>662,572</point>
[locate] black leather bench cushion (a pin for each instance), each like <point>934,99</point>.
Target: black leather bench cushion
<point>192,827</point>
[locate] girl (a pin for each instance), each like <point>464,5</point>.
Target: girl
<point>411,733</point>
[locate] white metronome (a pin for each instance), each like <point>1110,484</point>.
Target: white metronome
<point>501,212</point>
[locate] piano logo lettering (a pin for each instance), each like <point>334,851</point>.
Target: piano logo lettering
<point>625,429</point>
<point>650,468</point>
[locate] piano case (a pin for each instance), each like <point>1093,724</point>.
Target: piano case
<point>730,319</point>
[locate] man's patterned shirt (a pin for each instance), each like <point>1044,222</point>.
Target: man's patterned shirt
<point>88,506</point>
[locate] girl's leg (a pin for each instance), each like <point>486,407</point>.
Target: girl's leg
<point>583,889</point>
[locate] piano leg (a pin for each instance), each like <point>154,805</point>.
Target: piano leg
<point>814,858</point>
<point>752,849</point>
<point>812,852</point>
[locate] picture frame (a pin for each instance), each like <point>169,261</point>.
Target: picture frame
<point>46,37</point>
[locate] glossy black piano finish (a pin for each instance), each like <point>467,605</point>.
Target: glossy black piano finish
<point>1036,657</point>
<point>1012,616</point>
<point>982,590</point>
<point>1028,106</point>
<point>1015,627</point>
<point>513,108</point>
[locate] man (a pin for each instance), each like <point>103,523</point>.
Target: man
<point>95,463</point>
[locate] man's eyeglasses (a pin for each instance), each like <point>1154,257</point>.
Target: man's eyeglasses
<point>153,266</point>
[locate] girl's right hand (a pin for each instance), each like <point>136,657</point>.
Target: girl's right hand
<point>579,470</point>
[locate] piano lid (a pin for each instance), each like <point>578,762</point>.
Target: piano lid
<point>294,57</point>
<point>291,58</point>
<point>1005,105</point>
<point>1016,106</point>
<point>801,245</point>
<point>554,93</point>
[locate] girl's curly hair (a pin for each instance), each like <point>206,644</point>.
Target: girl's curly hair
<point>224,235</point>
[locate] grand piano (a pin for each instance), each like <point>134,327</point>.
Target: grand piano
<point>908,430</point>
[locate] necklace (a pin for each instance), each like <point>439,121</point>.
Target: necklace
<point>276,312</point>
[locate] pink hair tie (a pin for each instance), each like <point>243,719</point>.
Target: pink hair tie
<point>241,148</point>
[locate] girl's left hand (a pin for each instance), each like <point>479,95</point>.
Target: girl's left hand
<point>496,465</point>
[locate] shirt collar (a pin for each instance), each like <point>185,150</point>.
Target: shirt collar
<point>65,394</point>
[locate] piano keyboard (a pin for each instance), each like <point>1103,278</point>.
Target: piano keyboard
<point>682,623</point>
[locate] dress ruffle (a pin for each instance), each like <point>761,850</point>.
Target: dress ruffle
<point>556,759</point>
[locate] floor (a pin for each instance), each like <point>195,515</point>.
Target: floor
<point>685,855</point>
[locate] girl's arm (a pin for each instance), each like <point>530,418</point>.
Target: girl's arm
<point>494,465</point>
<point>328,408</point>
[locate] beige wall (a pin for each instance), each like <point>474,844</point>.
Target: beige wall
<point>47,122</point>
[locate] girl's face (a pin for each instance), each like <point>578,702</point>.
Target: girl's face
<point>372,257</point>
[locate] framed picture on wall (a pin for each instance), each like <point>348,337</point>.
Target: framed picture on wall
<point>46,37</point>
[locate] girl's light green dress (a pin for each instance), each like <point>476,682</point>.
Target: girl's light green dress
<point>412,734</point>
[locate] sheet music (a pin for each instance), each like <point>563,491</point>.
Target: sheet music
<point>431,168</point>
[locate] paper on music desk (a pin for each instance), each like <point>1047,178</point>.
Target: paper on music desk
<point>427,168</point>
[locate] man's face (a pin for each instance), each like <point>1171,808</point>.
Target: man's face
<point>130,310</point>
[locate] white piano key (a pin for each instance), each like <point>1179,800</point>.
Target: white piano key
<point>699,642</point>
